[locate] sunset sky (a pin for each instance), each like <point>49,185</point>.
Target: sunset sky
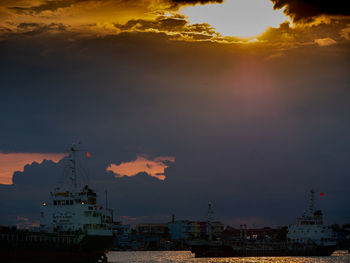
<point>244,103</point>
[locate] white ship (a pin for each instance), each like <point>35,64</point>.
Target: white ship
<point>73,228</point>
<point>75,209</point>
<point>310,229</point>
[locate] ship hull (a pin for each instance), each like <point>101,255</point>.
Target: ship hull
<point>242,251</point>
<point>89,249</point>
<point>49,256</point>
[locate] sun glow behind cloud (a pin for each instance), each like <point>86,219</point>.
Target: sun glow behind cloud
<point>239,18</point>
<point>154,167</point>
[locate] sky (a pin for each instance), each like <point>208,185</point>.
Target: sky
<point>241,103</point>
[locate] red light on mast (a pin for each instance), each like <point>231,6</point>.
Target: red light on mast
<point>321,194</point>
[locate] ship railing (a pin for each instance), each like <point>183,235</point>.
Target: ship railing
<point>102,226</point>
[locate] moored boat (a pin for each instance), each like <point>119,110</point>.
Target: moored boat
<point>308,237</point>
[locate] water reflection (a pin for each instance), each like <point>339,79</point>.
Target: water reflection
<point>188,257</point>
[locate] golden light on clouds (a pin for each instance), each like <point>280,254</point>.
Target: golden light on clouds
<point>12,162</point>
<point>154,167</point>
<point>324,42</point>
<point>239,18</point>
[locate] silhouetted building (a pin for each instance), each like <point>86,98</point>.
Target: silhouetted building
<point>152,228</point>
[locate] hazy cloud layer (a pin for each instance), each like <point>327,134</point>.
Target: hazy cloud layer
<point>252,128</point>
<point>48,5</point>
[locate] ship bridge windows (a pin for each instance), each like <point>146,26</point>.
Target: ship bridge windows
<point>95,226</point>
<point>91,200</point>
<point>93,214</point>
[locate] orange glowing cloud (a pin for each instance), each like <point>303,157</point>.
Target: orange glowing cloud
<point>323,42</point>
<point>154,167</point>
<point>253,22</point>
<point>12,162</point>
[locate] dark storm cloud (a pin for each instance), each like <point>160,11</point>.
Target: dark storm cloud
<point>194,2</point>
<point>307,10</point>
<point>249,134</point>
<point>38,180</point>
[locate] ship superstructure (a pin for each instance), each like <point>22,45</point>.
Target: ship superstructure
<point>310,229</point>
<point>75,210</point>
<point>72,212</point>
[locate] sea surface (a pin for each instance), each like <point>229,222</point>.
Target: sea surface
<point>188,257</point>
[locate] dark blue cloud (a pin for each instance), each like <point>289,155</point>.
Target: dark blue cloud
<point>249,144</point>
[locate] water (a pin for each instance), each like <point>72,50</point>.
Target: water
<point>188,257</point>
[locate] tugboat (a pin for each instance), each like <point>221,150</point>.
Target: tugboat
<point>309,237</point>
<point>73,228</point>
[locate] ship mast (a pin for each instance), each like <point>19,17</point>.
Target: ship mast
<point>209,221</point>
<point>312,202</point>
<point>74,166</point>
